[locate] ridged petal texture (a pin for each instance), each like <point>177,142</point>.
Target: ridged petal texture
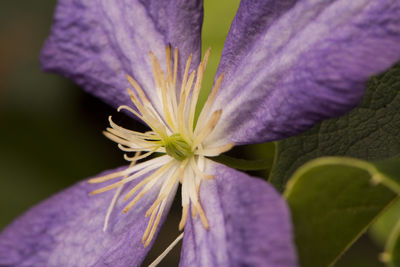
<point>96,43</point>
<point>250,224</point>
<point>66,230</point>
<point>290,64</point>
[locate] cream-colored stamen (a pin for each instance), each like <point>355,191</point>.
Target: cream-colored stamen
<point>185,211</point>
<point>208,128</point>
<point>215,151</point>
<point>116,195</point>
<point>202,215</point>
<point>155,175</point>
<point>166,251</point>
<point>172,133</point>
<point>210,100</point>
<point>156,222</point>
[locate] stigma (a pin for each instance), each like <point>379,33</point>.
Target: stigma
<point>173,134</point>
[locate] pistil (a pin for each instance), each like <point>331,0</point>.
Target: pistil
<point>177,147</point>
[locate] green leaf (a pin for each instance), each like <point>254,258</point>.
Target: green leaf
<point>370,132</point>
<point>333,200</point>
<point>392,251</point>
<point>382,228</point>
<point>390,167</point>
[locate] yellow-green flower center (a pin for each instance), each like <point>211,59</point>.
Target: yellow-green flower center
<point>177,147</point>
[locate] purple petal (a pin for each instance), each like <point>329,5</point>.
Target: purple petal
<point>249,224</point>
<point>96,43</point>
<point>290,64</point>
<point>67,230</point>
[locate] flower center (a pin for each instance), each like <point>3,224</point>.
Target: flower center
<point>177,147</point>
<point>174,134</point>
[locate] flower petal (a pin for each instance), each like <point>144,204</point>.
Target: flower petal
<point>290,64</point>
<point>67,230</point>
<point>249,224</point>
<point>96,43</point>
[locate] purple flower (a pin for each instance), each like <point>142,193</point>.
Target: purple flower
<point>286,65</point>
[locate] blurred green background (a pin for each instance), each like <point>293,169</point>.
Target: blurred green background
<point>51,131</point>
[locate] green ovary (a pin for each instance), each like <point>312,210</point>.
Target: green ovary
<point>177,147</point>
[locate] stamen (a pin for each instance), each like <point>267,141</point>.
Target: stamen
<point>169,63</point>
<point>185,75</point>
<point>139,90</point>
<point>128,149</point>
<point>146,108</point>
<point>164,192</point>
<point>155,205</point>
<point>172,133</point>
<point>149,225</point>
<point>185,211</point>
<point>171,91</point>
<point>142,168</point>
<point>210,100</point>
<point>194,212</point>
<point>182,105</point>
<point>208,128</point>
<point>175,67</point>
<point>199,172</point>
<point>135,200</point>
<point>146,119</point>
<point>123,130</point>
<point>107,177</point>
<point>156,222</point>
<point>159,74</point>
<point>116,195</point>
<point>111,207</point>
<point>195,94</point>
<point>155,175</point>
<point>169,248</point>
<point>113,137</point>
<point>127,158</point>
<point>150,182</point>
<point>215,151</point>
<point>202,215</point>
<point>136,140</point>
<point>107,188</point>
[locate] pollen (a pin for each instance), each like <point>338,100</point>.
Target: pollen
<point>174,135</point>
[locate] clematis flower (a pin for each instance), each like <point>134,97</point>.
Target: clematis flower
<point>286,65</point>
